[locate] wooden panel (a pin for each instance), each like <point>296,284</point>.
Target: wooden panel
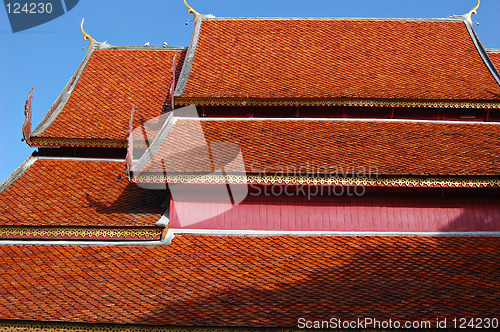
<point>382,212</point>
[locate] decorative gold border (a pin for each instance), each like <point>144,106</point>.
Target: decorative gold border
<point>78,142</point>
<point>179,101</point>
<point>312,180</point>
<point>22,326</point>
<point>107,233</point>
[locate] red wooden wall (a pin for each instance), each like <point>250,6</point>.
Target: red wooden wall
<point>375,212</point>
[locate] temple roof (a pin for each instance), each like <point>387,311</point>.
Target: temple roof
<point>255,60</point>
<point>253,281</point>
<point>271,61</point>
<point>95,107</point>
<point>81,242</point>
<point>59,192</point>
<point>342,147</point>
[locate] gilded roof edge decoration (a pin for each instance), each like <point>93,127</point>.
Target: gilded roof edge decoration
<point>78,142</point>
<point>378,181</point>
<point>179,101</point>
<point>32,326</point>
<point>87,233</point>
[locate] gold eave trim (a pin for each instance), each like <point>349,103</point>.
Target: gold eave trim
<point>78,142</point>
<point>80,233</point>
<point>33,326</point>
<point>180,101</point>
<point>452,182</point>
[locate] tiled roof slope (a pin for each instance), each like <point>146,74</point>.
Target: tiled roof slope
<point>78,193</point>
<point>386,147</point>
<point>495,57</point>
<point>112,81</point>
<point>338,58</point>
<point>253,281</point>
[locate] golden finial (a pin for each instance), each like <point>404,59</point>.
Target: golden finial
<point>473,11</point>
<point>192,11</point>
<point>86,35</point>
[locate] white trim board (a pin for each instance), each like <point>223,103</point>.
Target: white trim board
<point>219,232</point>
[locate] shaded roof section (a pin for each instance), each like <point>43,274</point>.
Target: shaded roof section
<point>308,59</point>
<point>102,93</point>
<point>253,281</point>
<point>495,57</point>
<point>55,192</point>
<point>299,147</point>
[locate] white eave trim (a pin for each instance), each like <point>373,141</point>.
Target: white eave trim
<point>80,159</point>
<point>341,120</point>
<point>188,59</point>
<point>220,232</point>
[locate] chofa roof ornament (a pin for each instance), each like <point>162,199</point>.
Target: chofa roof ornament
<point>92,41</point>
<point>195,13</point>
<point>468,16</point>
<point>86,35</point>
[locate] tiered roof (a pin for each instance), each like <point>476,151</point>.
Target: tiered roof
<point>71,199</point>
<point>73,231</point>
<point>325,146</point>
<point>336,61</point>
<point>103,90</point>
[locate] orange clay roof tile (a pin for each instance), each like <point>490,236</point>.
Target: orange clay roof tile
<point>253,281</point>
<point>78,193</point>
<point>335,146</point>
<point>495,57</point>
<point>112,81</point>
<point>337,58</point>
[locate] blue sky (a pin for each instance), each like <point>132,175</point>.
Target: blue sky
<point>46,56</point>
